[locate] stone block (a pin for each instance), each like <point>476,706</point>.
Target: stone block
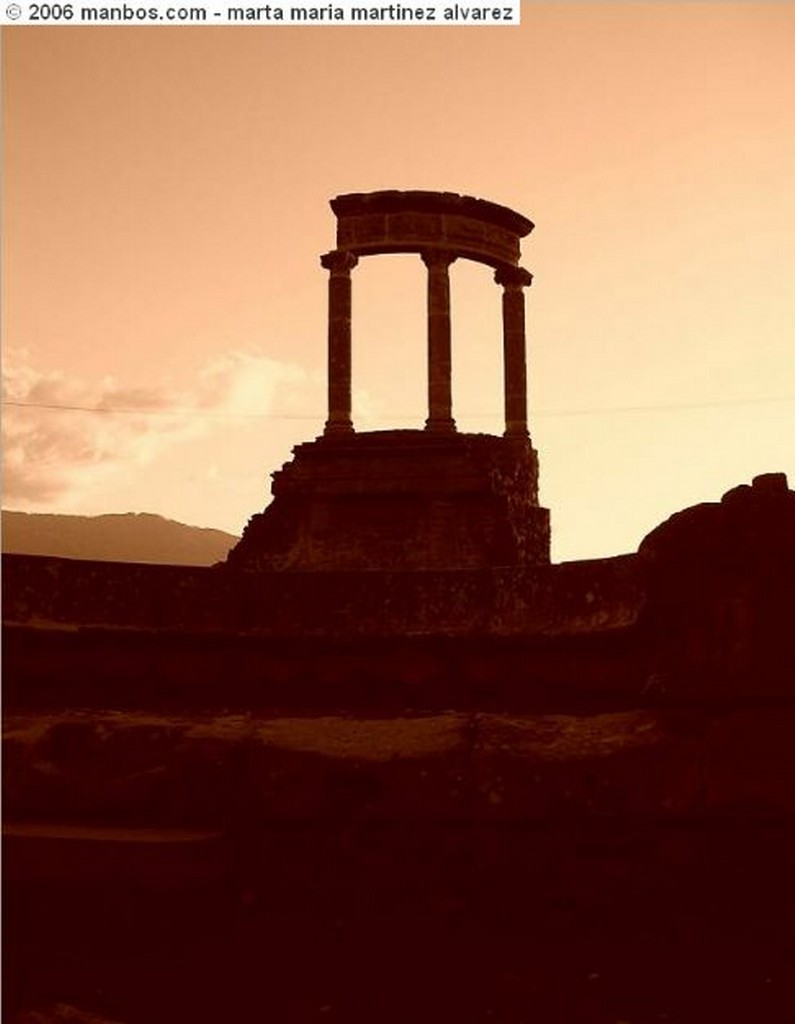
<point>414,228</point>
<point>338,768</point>
<point>229,770</point>
<point>564,768</point>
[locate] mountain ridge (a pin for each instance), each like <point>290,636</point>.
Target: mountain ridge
<point>114,537</point>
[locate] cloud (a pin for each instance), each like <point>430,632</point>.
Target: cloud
<point>249,383</point>
<point>65,435</point>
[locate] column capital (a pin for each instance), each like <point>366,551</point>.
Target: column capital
<point>339,262</point>
<point>438,257</point>
<point>513,278</point>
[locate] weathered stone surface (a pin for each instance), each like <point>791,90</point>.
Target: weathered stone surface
<point>680,622</point>
<point>392,221</point>
<point>559,768</point>
<point>722,593</point>
<point>224,771</point>
<point>573,598</point>
<point>400,500</point>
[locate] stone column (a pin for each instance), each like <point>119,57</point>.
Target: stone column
<point>513,281</point>
<point>339,263</point>
<point>440,390</point>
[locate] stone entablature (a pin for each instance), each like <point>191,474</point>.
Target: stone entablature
<point>392,221</point>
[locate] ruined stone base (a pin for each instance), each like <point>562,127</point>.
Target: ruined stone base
<point>402,499</point>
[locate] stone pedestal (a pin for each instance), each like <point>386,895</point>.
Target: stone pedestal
<point>402,499</point>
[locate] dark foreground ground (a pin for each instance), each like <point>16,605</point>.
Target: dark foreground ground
<point>377,924</point>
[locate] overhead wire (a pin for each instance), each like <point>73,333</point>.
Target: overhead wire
<point>211,414</point>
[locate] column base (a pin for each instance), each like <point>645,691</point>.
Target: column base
<point>335,427</point>
<point>518,430</point>
<point>446,426</point>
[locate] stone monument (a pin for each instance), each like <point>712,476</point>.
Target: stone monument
<point>412,499</point>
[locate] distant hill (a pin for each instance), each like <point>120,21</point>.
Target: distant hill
<point>130,537</point>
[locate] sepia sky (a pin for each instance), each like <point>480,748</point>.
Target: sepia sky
<point>166,200</point>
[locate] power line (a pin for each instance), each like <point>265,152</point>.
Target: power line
<point>119,410</point>
<point>207,414</point>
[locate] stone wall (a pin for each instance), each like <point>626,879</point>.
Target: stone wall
<point>77,631</point>
<point>702,612</point>
<point>571,598</point>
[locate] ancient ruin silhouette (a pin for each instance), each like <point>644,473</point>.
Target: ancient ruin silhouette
<point>388,762</point>
<point>420,499</point>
